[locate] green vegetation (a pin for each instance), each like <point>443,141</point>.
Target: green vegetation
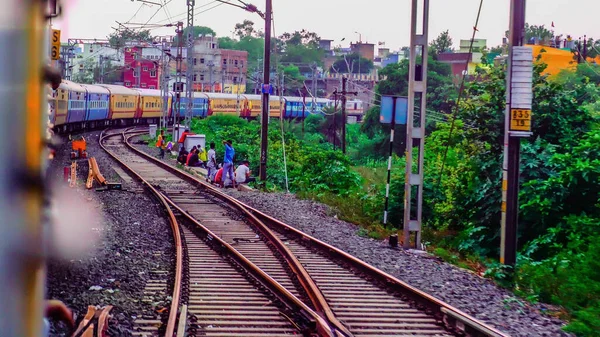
<point>559,219</point>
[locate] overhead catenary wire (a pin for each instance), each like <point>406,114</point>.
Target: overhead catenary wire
<point>460,92</point>
<point>281,106</point>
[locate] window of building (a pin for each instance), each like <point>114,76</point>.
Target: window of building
<point>145,68</point>
<point>236,62</point>
<point>135,73</point>
<point>127,84</point>
<point>225,62</point>
<point>201,77</point>
<point>152,87</point>
<point>143,85</point>
<point>195,61</point>
<point>195,77</point>
<point>152,73</point>
<point>213,46</point>
<point>202,60</point>
<point>235,79</point>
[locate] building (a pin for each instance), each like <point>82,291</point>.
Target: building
<point>366,50</point>
<point>214,69</point>
<point>478,46</point>
<point>139,71</point>
<point>457,62</point>
<point>325,44</point>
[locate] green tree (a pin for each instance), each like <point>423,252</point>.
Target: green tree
<point>440,89</point>
<point>246,29</point>
<point>197,31</point>
<point>121,37</point>
<point>352,63</point>
<point>87,72</point>
<point>294,81</point>
<point>441,44</point>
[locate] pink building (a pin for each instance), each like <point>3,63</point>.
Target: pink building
<point>149,70</point>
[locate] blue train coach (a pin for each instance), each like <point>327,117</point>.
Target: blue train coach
<point>97,101</point>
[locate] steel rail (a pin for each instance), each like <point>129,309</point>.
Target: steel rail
<point>308,284</point>
<point>322,325</point>
<point>472,326</point>
<point>170,328</point>
<point>453,318</point>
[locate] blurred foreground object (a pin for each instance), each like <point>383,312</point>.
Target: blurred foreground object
<point>24,43</point>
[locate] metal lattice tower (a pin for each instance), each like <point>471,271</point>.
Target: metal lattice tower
<point>178,85</point>
<point>189,90</point>
<point>415,122</point>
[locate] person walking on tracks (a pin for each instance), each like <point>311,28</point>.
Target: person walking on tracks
<point>160,144</point>
<point>211,164</point>
<point>228,162</point>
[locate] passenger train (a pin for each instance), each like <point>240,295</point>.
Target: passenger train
<point>77,106</point>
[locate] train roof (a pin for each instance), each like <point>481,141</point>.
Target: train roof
<point>95,89</point>
<point>71,86</point>
<point>148,92</point>
<point>199,94</point>
<point>308,99</point>
<point>220,95</point>
<point>120,90</point>
<point>259,97</point>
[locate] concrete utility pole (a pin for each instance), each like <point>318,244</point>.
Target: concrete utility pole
<point>178,70</point>
<point>265,94</point>
<point>211,65</point>
<point>519,95</point>
<point>189,92</point>
<point>313,66</point>
<point>417,88</point>
<point>343,100</point>
<point>239,86</point>
<point>138,66</point>
<point>101,69</point>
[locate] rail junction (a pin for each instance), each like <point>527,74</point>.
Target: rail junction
<point>240,272</point>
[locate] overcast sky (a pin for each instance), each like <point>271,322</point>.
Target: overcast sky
<point>377,20</point>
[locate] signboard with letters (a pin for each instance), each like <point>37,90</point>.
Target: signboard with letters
<point>55,47</point>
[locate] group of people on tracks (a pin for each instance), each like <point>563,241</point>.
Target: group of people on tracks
<point>222,175</point>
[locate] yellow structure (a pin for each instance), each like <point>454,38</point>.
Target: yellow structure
<point>556,59</point>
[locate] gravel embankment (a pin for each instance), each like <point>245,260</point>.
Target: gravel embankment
<point>470,293</point>
<point>478,297</point>
<point>133,242</point>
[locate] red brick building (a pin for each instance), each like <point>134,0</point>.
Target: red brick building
<point>149,77</point>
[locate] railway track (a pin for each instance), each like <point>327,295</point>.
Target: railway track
<point>349,297</point>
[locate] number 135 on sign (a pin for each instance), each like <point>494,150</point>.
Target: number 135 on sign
<point>520,120</point>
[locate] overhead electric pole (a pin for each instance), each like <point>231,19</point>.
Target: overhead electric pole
<point>178,86</point>
<point>189,74</point>
<point>211,65</point>
<point>415,132</point>
<point>313,66</point>
<point>343,96</point>
<point>519,95</point>
<point>264,131</point>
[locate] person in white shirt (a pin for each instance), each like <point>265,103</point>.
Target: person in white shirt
<point>242,173</point>
<point>211,165</point>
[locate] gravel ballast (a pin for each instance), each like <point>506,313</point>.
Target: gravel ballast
<point>476,296</point>
<point>131,243</point>
<point>464,290</point>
